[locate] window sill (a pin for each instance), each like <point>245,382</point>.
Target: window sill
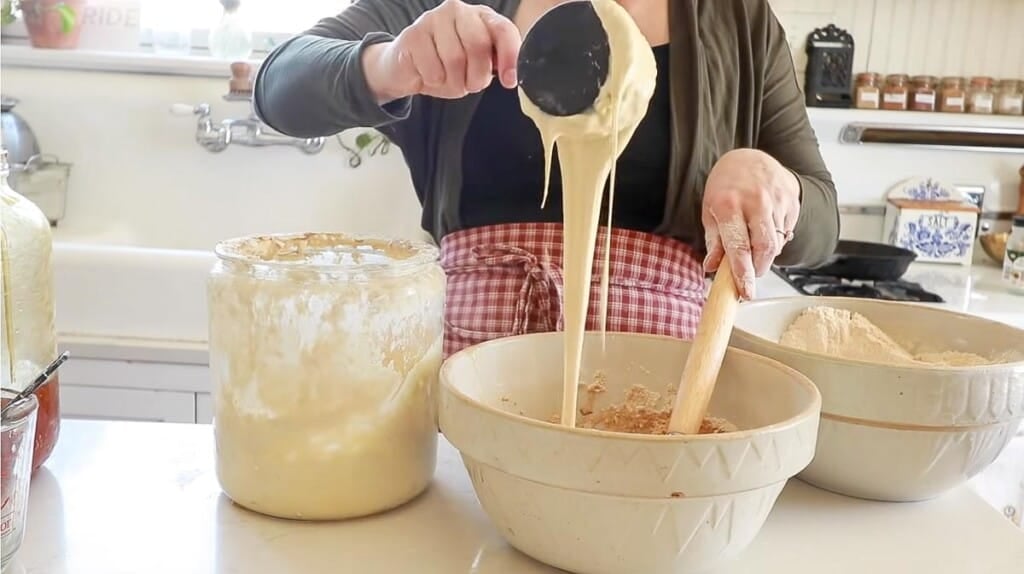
<point>123,62</point>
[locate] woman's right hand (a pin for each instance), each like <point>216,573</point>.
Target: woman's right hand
<point>448,52</point>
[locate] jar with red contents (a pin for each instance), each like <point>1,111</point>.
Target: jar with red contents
<point>27,308</point>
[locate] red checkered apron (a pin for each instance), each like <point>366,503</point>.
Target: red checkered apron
<point>506,280</point>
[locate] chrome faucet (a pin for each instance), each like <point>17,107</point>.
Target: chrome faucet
<point>250,131</point>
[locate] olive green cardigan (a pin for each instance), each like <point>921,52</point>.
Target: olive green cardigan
<point>733,85</point>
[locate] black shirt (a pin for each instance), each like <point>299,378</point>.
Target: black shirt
<point>503,164</point>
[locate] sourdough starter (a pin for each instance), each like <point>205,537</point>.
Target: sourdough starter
<point>325,353</point>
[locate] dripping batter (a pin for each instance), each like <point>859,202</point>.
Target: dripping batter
<point>722,164</point>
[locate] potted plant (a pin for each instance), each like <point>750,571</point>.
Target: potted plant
<point>50,23</point>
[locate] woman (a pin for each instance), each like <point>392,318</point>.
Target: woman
<point>725,164</point>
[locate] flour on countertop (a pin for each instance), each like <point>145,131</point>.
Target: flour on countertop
<point>850,335</point>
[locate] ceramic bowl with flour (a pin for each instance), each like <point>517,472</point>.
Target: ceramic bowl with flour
<point>599,502</point>
<point>916,400</point>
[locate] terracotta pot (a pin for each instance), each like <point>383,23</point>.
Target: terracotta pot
<point>46,24</point>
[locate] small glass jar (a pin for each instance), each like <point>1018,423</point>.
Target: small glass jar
<point>17,432</point>
<point>953,96</point>
<point>868,92</point>
<point>27,310</point>
<point>923,95</point>
<point>980,95</point>
<point>1010,98</point>
<point>896,94</point>
<point>325,351</point>
<point>1013,261</point>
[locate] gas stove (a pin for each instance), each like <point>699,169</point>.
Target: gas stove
<point>807,282</point>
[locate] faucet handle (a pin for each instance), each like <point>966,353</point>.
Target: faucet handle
<point>183,109</point>
<point>190,110</point>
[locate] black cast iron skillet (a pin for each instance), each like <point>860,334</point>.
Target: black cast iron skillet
<point>866,261</point>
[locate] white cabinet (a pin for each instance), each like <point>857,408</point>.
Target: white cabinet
<point>204,408</point>
<point>108,403</point>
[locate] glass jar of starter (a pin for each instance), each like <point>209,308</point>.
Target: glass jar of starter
<point>1010,98</point>
<point>896,94</point>
<point>923,94</point>
<point>868,92</point>
<point>27,309</point>
<point>980,95</point>
<point>953,97</point>
<point>1013,260</point>
<point>325,351</point>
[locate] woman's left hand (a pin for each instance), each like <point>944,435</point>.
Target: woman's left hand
<point>751,205</point>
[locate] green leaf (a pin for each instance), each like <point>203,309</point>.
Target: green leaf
<point>364,139</point>
<point>67,17</point>
<point>7,13</point>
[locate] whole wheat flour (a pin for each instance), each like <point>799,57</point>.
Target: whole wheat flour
<point>850,335</point>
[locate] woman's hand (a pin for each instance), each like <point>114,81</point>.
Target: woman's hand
<point>751,205</point>
<point>448,52</point>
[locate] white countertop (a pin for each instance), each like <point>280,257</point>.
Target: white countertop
<point>977,290</point>
<point>142,498</point>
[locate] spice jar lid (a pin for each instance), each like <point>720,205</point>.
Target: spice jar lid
<point>952,81</point>
<point>924,79</point>
<point>868,77</point>
<point>897,77</point>
<point>982,81</point>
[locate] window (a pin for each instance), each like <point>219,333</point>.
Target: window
<point>271,20</point>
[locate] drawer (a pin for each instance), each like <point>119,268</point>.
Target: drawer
<point>204,408</point>
<point>108,403</point>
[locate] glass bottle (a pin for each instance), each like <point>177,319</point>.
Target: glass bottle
<point>231,38</point>
<point>29,331</point>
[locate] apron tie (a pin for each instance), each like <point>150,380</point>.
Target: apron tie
<point>539,296</point>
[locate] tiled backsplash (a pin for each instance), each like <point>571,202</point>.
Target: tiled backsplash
<point>938,37</point>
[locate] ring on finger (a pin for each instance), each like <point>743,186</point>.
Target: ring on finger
<point>787,236</point>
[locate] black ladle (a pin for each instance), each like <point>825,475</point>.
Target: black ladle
<point>563,61</point>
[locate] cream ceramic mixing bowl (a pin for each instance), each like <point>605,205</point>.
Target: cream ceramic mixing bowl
<point>901,433</point>
<point>597,502</point>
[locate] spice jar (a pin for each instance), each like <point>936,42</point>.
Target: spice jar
<point>325,351</point>
<point>27,308</point>
<point>895,95</point>
<point>923,94</point>
<point>980,95</point>
<point>953,97</point>
<point>1010,98</point>
<point>868,92</point>
<point>1013,260</point>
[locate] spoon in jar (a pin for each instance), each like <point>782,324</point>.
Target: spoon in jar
<point>36,383</point>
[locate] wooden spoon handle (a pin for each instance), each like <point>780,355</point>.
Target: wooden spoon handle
<point>706,354</point>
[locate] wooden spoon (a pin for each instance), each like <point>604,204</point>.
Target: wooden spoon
<point>706,353</point>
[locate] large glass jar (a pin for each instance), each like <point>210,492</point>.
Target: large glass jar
<point>325,351</point>
<point>27,300</point>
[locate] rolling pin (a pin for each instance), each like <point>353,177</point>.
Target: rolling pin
<point>706,354</point>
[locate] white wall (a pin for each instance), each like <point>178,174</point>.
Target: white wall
<point>938,37</point>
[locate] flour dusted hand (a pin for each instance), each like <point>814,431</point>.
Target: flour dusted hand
<point>448,52</point>
<point>751,205</point>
